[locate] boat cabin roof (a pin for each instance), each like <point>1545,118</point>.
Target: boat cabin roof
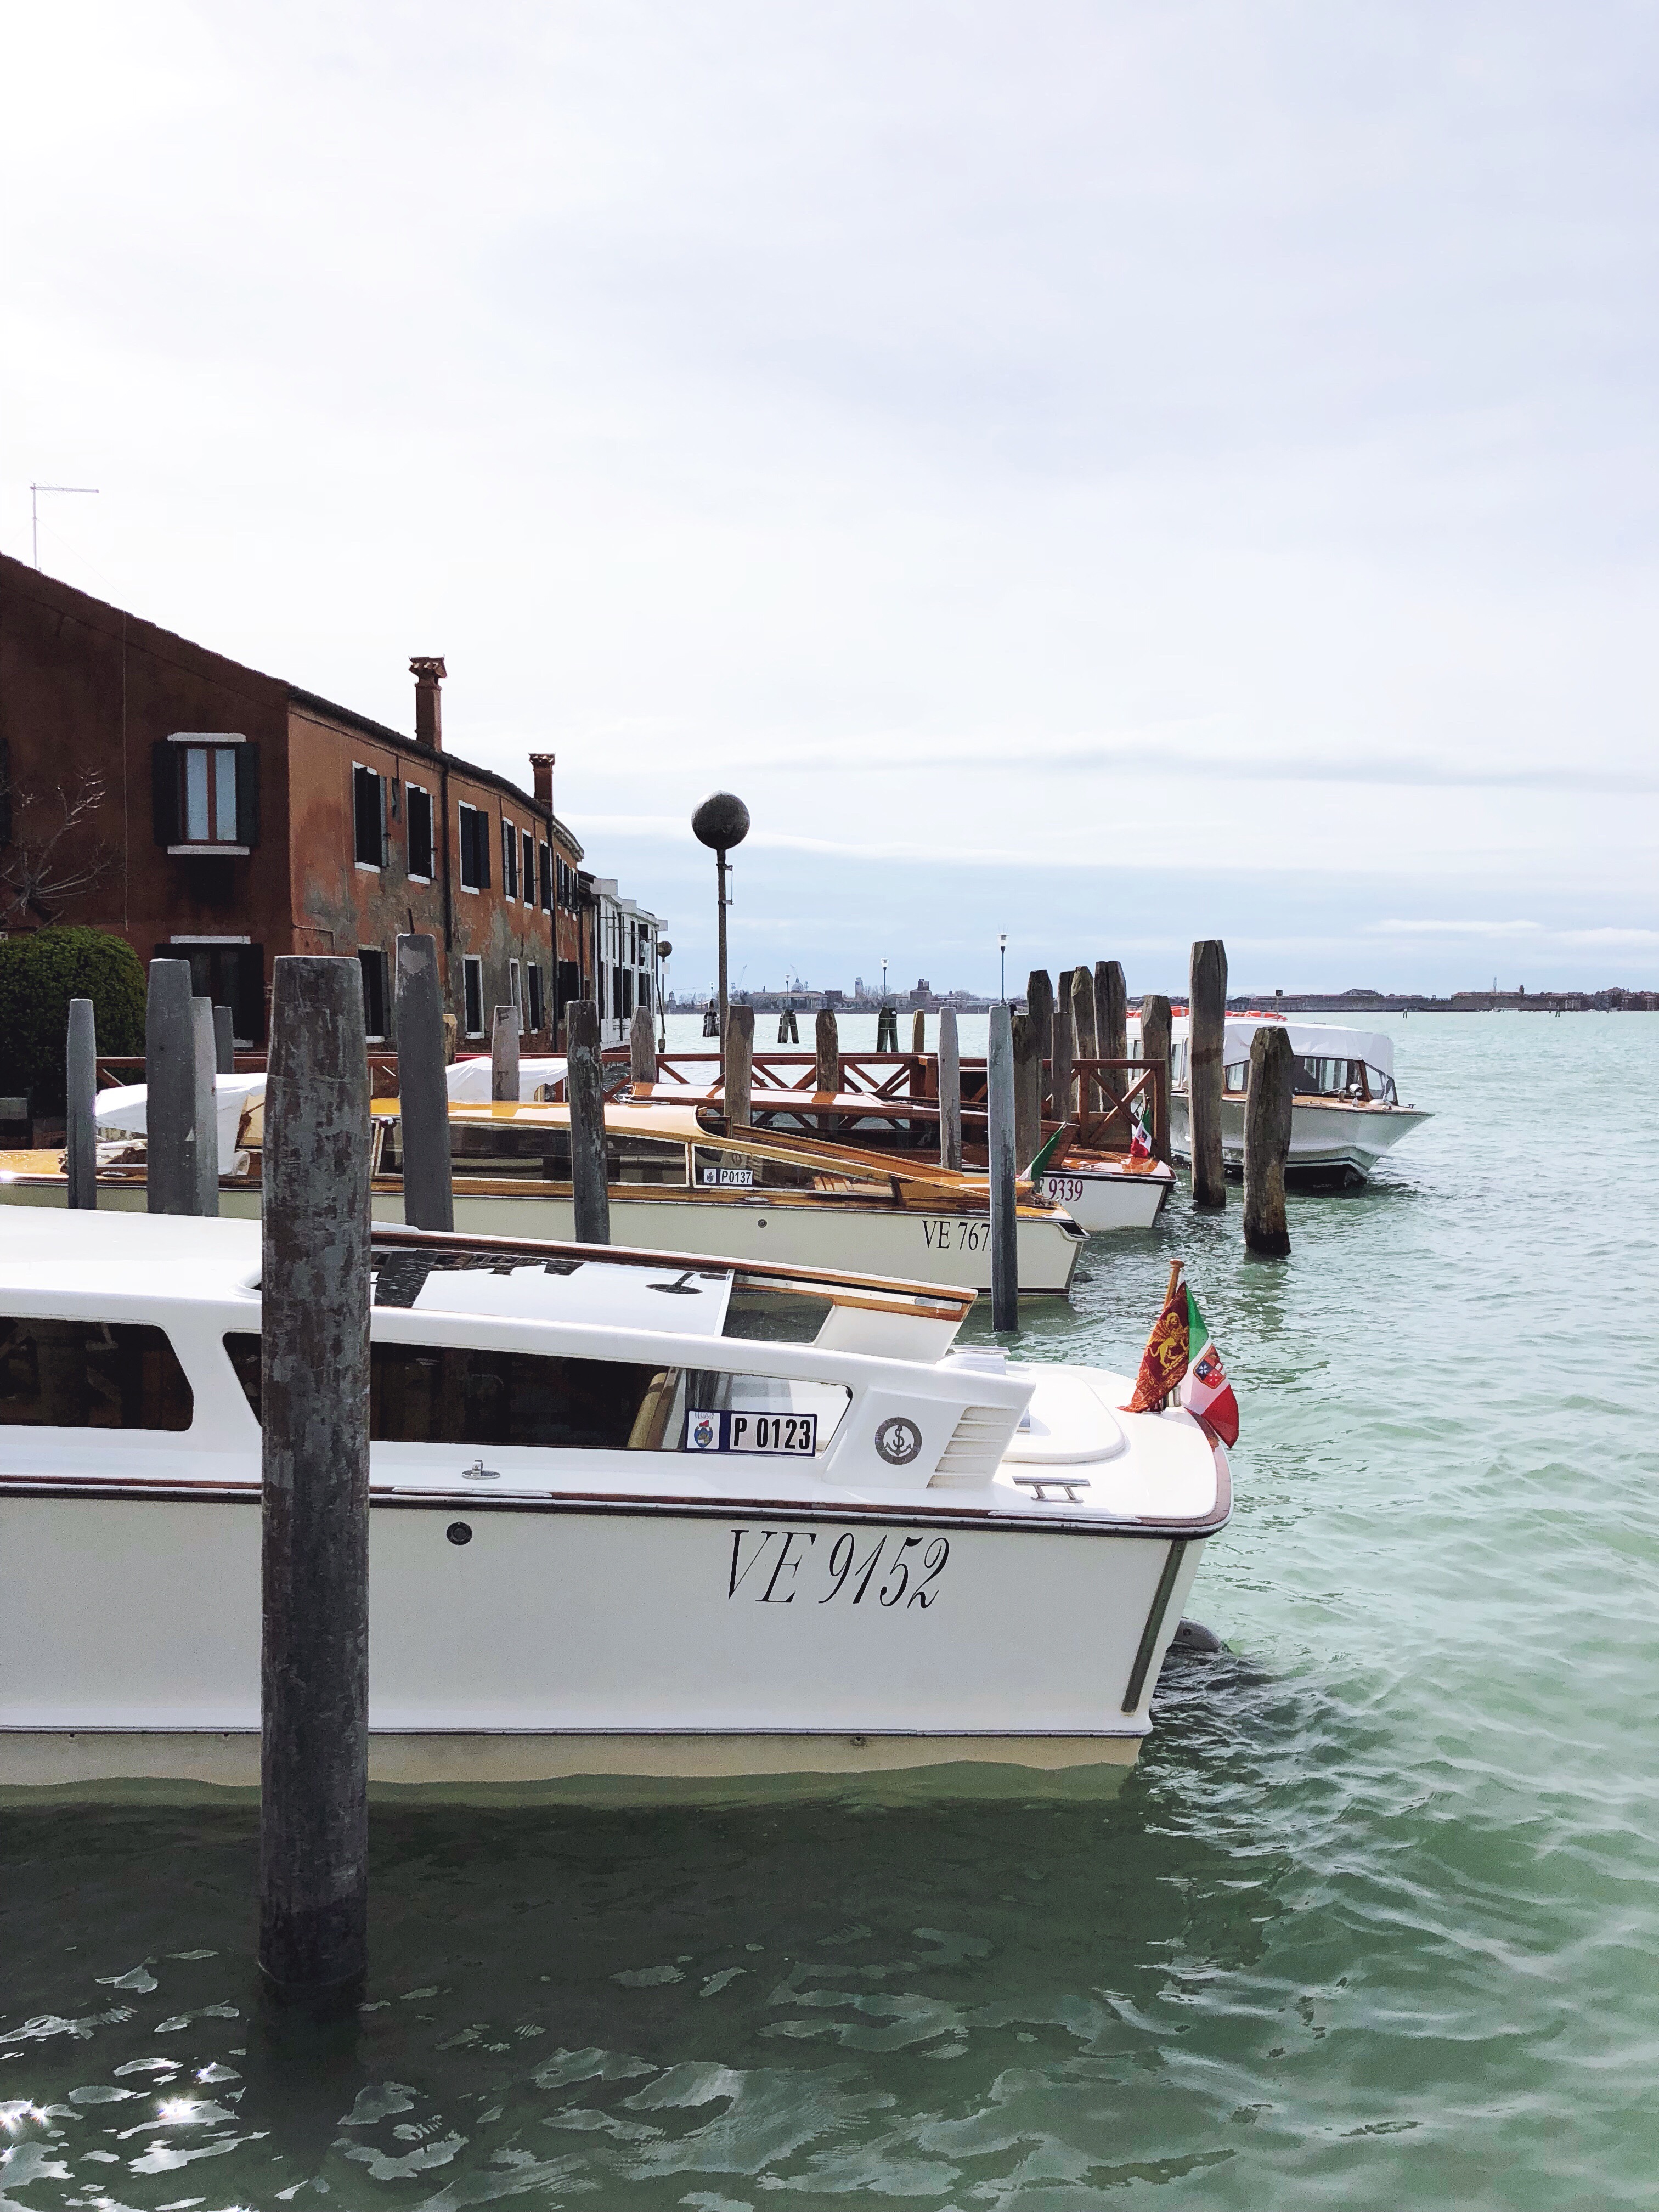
<point>1308,1039</point>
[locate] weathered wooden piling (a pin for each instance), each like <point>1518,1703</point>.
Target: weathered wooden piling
<point>1085,1037</point>
<point>423,1093</point>
<point>80,1122</point>
<point>918,1033</point>
<point>1061,1085</point>
<point>643,1047</point>
<point>827,1038</point>
<point>206,1109</point>
<point>1004,1217</point>
<point>1028,1090</point>
<point>949,1091</point>
<point>170,1078</point>
<point>788,1027</point>
<point>887,1029</point>
<point>1267,1140</point>
<point>314,1289</point>
<point>1040,1009</point>
<point>739,1087</point>
<point>1208,1026</point>
<point>224,1042</point>
<point>1111,1009</point>
<point>504,1055</point>
<point>1155,1047</point>
<point>584,1087</point>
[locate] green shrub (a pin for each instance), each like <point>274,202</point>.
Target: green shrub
<point>39,974</point>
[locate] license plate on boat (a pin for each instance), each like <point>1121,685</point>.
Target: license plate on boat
<point>728,1178</point>
<point>791,1436</point>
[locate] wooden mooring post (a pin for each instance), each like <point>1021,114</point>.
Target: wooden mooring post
<point>1112,1021</point>
<point>1028,1090</point>
<point>1267,1140</point>
<point>81,1089</point>
<point>504,1055</point>
<point>739,1085</point>
<point>1085,1034</point>
<point>643,1047</point>
<point>206,1107</point>
<point>1040,1009</point>
<point>887,1029</point>
<point>423,1093</point>
<point>1004,1217</point>
<point>224,1042</point>
<point>1207,1000</point>
<point>1155,1047</point>
<point>584,1087</point>
<point>919,1034</point>
<point>1059,1087</point>
<point>170,1080</point>
<point>949,1091</point>
<point>313,1402</point>
<point>827,1040</point>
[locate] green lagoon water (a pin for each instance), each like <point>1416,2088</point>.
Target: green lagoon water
<point>1375,1923</point>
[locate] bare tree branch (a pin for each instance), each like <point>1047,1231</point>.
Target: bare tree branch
<point>41,871</point>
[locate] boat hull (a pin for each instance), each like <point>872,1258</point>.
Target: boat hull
<point>1103,1198</point>
<point>947,1247</point>
<point>1331,1144</point>
<point>564,1638</point>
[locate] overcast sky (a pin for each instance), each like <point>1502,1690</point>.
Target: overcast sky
<point>1110,474</point>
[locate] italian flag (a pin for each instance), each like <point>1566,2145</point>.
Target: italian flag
<point>1180,1361</point>
<point>1140,1144</point>
<point>1206,1392</point>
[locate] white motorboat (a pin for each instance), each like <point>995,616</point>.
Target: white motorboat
<point>679,1181</point>
<point>1100,1190</point>
<point>1345,1113</point>
<point>630,1516</point>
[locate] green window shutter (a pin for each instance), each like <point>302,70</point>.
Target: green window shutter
<point>247,797</point>
<point>164,787</point>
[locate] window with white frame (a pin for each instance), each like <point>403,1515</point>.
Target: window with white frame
<point>475,849</point>
<point>368,816</point>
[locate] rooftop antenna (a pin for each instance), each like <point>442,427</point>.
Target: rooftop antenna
<point>88,491</point>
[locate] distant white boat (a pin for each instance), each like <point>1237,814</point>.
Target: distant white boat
<point>1345,1113</point>
<point>631,1514</point>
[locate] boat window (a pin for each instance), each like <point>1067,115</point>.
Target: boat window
<point>433,1394</point>
<point>1381,1086</point>
<point>713,1168</point>
<point>779,1316</point>
<point>1237,1077</point>
<point>538,1153</point>
<point>90,1375</point>
<point>629,1159</point>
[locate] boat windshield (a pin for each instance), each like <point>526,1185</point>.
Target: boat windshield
<point>717,1168</point>
<point>1356,1080</point>
<point>539,1151</point>
<point>475,1396</point>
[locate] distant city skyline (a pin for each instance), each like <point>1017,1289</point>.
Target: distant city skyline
<point>1107,476</point>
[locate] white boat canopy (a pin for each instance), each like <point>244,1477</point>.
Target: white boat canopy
<point>1308,1039</point>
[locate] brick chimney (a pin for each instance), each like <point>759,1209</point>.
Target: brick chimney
<point>429,671</point>
<point>541,768</point>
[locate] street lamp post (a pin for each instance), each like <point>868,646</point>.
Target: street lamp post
<point>721,823</point>
<point>1002,949</point>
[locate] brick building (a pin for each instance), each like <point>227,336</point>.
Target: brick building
<point>238,818</point>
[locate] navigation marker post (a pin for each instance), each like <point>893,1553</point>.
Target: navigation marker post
<point>314,1400</point>
<point>1004,1219</point>
<point>423,1093</point>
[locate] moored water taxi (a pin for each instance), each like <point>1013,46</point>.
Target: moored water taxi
<point>1345,1113</point>
<point>631,1514</point>
<point>679,1181</point>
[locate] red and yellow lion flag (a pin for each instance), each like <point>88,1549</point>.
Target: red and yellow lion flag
<point>1180,1354</point>
<point>1164,1362</point>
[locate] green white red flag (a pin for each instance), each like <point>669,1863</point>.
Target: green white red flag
<point>1181,1359</point>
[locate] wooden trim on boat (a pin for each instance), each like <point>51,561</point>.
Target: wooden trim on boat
<point>638,1506</point>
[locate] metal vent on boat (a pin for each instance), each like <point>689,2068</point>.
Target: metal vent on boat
<point>975,1451</point>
